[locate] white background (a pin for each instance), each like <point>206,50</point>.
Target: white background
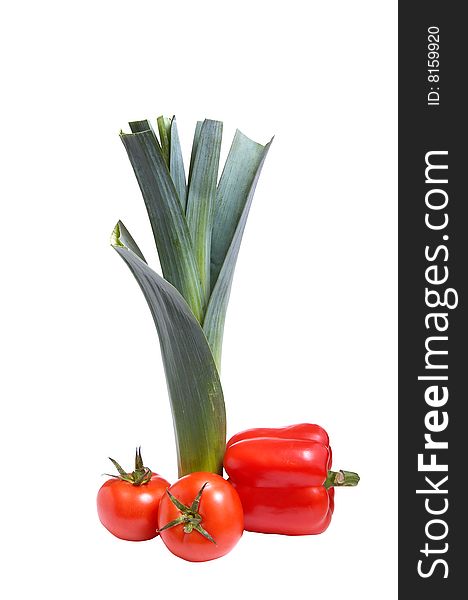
<point>311,328</point>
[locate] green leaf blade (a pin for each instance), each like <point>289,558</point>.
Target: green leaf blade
<point>213,324</point>
<point>140,126</point>
<point>164,128</point>
<point>166,216</point>
<point>243,161</point>
<point>196,137</point>
<point>202,197</point>
<point>122,237</point>
<point>195,391</point>
<point>176,166</point>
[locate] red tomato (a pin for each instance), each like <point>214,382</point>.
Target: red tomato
<point>128,505</point>
<point>218,514</point>
<point>130,512</point>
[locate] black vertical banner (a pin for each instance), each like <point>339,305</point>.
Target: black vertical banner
<point>433,295</point>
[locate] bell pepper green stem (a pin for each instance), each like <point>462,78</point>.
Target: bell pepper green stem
<point>341,479</point>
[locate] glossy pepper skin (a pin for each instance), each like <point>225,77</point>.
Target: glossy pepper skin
<point>279,474</point>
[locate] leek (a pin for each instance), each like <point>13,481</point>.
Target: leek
<point>198,227</point>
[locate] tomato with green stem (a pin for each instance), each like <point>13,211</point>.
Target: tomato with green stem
<point>201,517</point>
<point>128,504</point>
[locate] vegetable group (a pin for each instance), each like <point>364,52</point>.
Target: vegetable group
<point>283,478</point>
<point>128,504</point>
<point>200,517</point>
<point>279,478</point>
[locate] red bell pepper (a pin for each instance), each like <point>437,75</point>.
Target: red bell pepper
<point>283,478</point>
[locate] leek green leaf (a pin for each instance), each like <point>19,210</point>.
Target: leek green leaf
<point>164,128</point>
<point>122,237</point>
<point>243,161</point>
<point>202,197</point>
<point>139,126</point>
<point>176,165</point>
<point>196,137</point>
<point>166,216</point>
<point>193,382</point>
<point>235,193</point>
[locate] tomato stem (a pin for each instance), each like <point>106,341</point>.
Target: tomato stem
<point>139,476</point>
<point>190,517</point>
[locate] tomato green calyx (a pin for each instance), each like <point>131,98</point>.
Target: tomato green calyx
<point>190,518</point>
<point>139,476</point>
<point>341,479</point>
